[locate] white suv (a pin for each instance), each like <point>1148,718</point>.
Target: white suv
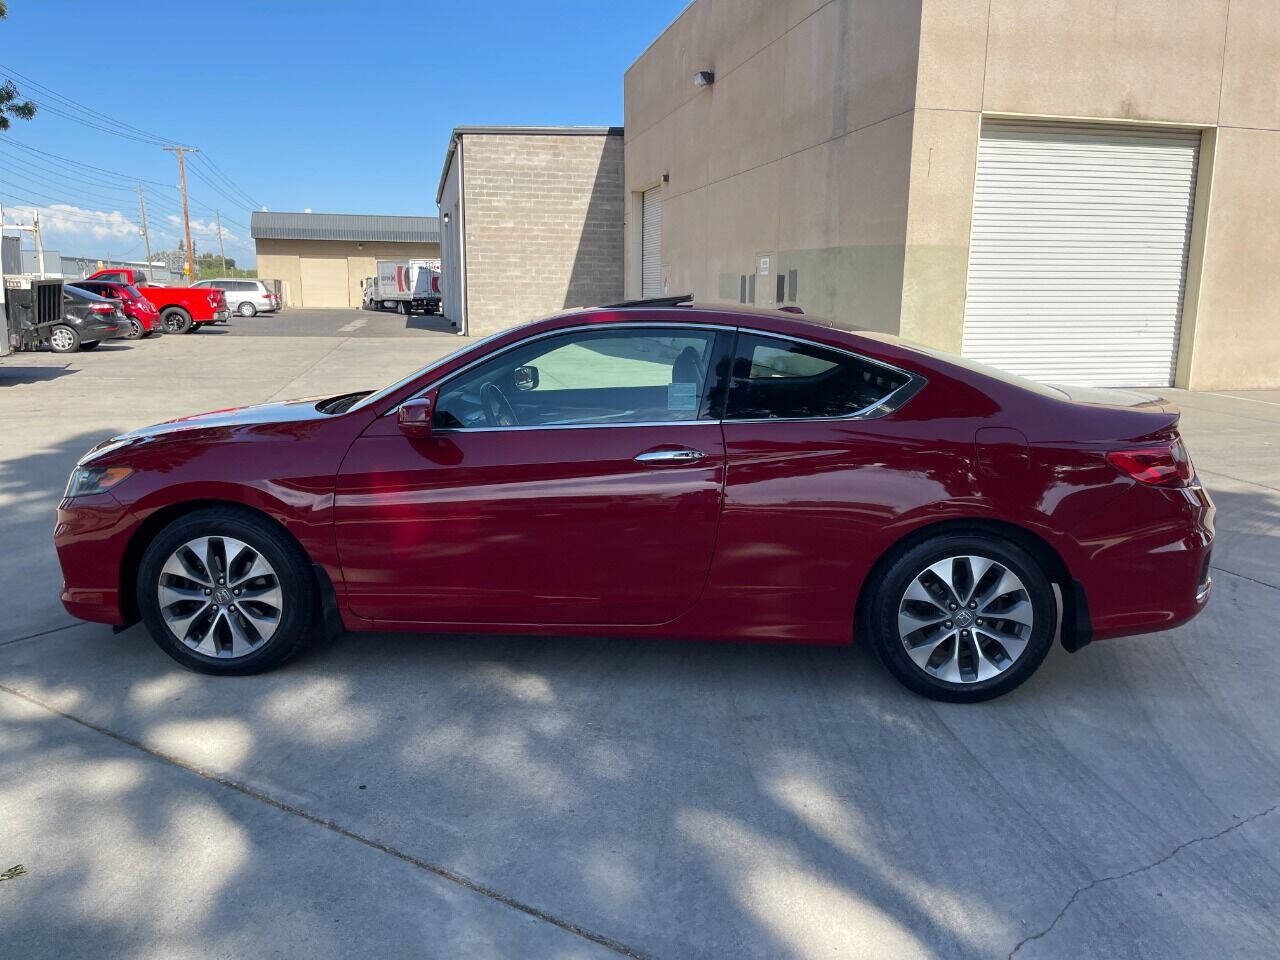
<point>245,297</point>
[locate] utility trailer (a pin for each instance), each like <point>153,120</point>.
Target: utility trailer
<point>28,312</point>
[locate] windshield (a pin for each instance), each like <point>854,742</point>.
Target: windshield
<point>385,392</point>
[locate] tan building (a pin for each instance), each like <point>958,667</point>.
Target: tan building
<point>321,258</point>
<point>1084,191</point>
<point>531,223</point>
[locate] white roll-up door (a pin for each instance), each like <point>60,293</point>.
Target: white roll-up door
<point>651,243</point>
<point>1078,254</point>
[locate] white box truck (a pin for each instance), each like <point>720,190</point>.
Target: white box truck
<point>404,286</point>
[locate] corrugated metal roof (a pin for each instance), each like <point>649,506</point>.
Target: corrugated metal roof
<point>264,225</point>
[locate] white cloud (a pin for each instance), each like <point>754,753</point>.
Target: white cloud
<point>205,229</point>
<point>64,218</point>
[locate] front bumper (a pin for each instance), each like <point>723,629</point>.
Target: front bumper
<point>91,535</point>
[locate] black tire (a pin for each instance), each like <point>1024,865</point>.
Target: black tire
<point>280,550</point>
<point>247,309</point>
<point>881,615</point>
<point>176,320</point>
<point>135,331</point>
<point>89,344</point>
<point>64,338</point>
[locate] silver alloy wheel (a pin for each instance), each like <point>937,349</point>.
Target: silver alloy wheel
<point>247,309</point>
<point>62,339</point>
<point>965,619</point>
<point>220,597</point>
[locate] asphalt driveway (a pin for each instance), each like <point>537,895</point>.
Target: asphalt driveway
<point>398,795</point>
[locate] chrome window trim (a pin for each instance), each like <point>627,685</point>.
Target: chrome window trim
<point>882,407</point>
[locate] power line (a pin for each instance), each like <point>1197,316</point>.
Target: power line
<point>99,117</point>
<point>208,161</point>
<point>115,173</point>
<point>78,112</point>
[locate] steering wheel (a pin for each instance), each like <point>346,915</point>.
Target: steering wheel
<point>498,411</point>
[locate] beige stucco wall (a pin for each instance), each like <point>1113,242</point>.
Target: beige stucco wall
<point>798,152</point>
<point>542,225</point>
<point>1181,62</point>
<point>840,139</point>
<point>280,260</point>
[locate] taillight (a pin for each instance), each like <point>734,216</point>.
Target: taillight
<point>102,308</point>
<point>1161,465</point>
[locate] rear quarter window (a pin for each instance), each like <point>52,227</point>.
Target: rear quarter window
<point>775,379</point>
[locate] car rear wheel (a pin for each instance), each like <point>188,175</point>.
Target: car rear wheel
<point>246,309</point>
<point>135,331</point>
<point>64,339</point>
<point>962,617</point>
<point>224,591</point>
<point>176,320</point>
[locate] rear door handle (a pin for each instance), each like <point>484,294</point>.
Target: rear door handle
<point>682,455</point>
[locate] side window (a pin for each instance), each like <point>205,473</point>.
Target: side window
<point>114,277</point>
<point>787,380</point>
<point>631,375</point>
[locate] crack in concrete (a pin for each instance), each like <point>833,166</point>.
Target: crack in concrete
<point>252,792</point>
<point>43,633</point>
<point>1079,891</point>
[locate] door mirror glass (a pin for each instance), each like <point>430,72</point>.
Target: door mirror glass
<point>414,417</point>
<point>525,377</point>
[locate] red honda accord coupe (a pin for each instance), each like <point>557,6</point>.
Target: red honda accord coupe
<point>657,469</point>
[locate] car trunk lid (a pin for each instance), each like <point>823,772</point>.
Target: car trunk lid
<point>1105,414</point>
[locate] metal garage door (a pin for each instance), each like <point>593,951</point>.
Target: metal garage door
<point>324,282</point>
<point>651,243</point>
<point>1078,254</point>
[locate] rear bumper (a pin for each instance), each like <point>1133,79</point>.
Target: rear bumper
<point>1153,575</point>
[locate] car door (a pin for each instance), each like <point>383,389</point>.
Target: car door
<point>811,477</point>
<point>573,478</point>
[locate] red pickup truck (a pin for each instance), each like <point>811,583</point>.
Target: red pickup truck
<point>182,309</point>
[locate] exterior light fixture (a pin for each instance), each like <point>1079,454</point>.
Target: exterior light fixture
<point>446,219</point>
<point>704,78</point>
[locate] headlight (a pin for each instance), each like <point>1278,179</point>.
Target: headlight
<point>89,480</point>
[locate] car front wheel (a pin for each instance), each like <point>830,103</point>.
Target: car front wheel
<point>962,617</point>
<point>225,591</point>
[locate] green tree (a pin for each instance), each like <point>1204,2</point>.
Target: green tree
<point>10,104</point>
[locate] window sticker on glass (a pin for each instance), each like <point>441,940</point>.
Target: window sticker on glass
<point>682,396</point>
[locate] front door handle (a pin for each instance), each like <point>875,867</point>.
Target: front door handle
<point>682,455</point>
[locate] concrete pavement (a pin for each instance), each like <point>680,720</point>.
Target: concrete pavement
<point>462,796</point>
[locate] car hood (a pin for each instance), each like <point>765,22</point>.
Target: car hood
<point>262,414</point>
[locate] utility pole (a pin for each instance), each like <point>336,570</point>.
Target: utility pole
<point>35,230</point>
<point>222,254</point>
<point>146,237</point>
<point>186,215</point>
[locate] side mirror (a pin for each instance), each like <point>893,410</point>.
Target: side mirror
<point>414,417</point>
<point>525,378</point>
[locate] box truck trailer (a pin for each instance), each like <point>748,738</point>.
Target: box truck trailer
<point>404,286</point>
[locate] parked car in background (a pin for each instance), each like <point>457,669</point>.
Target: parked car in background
<point>87,320</point>
<point>182,309</point>
<point>143,317</point>
<point>650,469</point>
<point>245,297</point>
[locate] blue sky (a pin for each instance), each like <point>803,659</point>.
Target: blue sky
<point>336,107</point>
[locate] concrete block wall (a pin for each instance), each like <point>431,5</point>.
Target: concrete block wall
<point>543,220</point>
